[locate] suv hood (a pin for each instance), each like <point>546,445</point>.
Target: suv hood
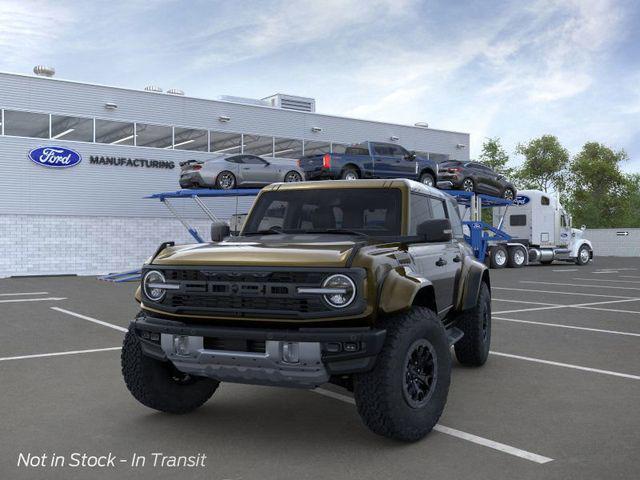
<point>283,251</point>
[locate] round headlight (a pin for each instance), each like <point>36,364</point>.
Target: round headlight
<point>155,294</point>
<point>344,291</point>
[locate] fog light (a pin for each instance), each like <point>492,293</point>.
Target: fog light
<point>181,345</point>
<point>350,347</point>
<point>291,352</point>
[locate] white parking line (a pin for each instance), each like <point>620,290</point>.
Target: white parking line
<point>566,270</point>
<point>26,293</point>
<point>58,354</point>
<point>606,280</point>
<point>558,293</point>
<point>485,442</point>
<point>575,305</point>
<point>629,276</point>
<point>90,319</point>
<point>567,365</point>
<point>520,301</point>
<point>19,300</point>
<point>581,285</point>
<point>572,327</point>
<point>635,312</point>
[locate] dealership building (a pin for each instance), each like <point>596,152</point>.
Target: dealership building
<point>91,217</point>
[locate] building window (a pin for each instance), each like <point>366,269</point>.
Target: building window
<point>316,148</point>
<point>258,145</point>
<point>71,128</point>
<point>115,133</point>
<point>287,148</point>
<point>226,143</point>
<point>190,139</point>
<point>157,136</point>
<point>26,124</point>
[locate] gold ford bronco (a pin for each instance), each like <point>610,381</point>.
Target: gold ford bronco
<point>365,284</point>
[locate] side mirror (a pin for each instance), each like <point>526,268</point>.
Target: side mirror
<point>435,230</point>
<point>583,228</point>
<point>410,156</point>
<point>219,231</point>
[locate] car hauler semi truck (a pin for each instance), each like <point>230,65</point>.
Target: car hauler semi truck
<point>540,231</point>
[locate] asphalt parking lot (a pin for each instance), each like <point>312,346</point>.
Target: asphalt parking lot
<point>558,398</point>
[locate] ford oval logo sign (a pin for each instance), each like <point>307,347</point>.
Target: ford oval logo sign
<point>55,157</point>
<point>521,200</point>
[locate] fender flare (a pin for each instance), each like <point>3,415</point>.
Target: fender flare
<point>471,278</point>
<point>578,244</point>
<point>400,288</point>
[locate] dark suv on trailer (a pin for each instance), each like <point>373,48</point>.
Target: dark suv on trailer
<point>365,284</point>
<point>475,177</point>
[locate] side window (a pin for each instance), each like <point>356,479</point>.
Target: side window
<point>563,221</point>
<point>397,151</point>
<point>544,200</point>
<point>382,150</point>
<point>437,207</point>
<point>252,160</point>
<point>517,220</point>
<point>237,159</point>
<point>454,218</point>
<point>420,210</point>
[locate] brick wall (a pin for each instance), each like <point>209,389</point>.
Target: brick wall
<point>53,245</point>
<point>611,242</point>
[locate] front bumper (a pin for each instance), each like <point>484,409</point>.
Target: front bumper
<point>257,355</point>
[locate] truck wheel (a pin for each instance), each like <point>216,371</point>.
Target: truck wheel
<point>428,180</point>
<point>405,393</point>
<point>498,256</point>
<point>473,348</point>
<point>508,194</point>
<point>159,385</point>
<point>517,257</point>
<point>350,173</point>
<point>225,180</point>
<point>584,255</point>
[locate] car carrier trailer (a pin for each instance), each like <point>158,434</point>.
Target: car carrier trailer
<point>534,228</point>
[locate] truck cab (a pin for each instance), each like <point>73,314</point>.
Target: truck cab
<point>538,222</point>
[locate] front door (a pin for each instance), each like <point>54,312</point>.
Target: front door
<point>255,171</point>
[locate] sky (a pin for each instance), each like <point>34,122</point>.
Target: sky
<point>509,69</point>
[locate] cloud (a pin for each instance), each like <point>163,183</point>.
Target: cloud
<point>30,29</point>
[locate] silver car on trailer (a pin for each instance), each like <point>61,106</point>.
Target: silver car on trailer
<point>239,170</point>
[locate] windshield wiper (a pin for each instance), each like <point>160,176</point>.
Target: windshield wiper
<point>341,231</point>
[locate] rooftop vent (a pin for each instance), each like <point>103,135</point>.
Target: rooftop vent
<point>153,88</point>
<point>43,71</point>
<point>175,91</point>
<point>291,102</point>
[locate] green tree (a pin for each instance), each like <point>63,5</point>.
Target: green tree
<point>545,164</point>
<point>600,194</point>
<point>494,156</point>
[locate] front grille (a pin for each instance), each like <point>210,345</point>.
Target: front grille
<point>234,345</point>
<point>238,292</point>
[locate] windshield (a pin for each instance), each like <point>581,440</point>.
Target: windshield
<point>369,211</point>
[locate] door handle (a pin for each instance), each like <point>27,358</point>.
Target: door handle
<point>457,258</point>
<point>441,262</point>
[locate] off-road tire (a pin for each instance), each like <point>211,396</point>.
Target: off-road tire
<point>495,257</point>
<point>349,173</point>
<point>151,381</point>
<point>473,348</point>
<point>579,260</point>
<point>512,260</point>
<point>380,393</point>
<point>425,177</point>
